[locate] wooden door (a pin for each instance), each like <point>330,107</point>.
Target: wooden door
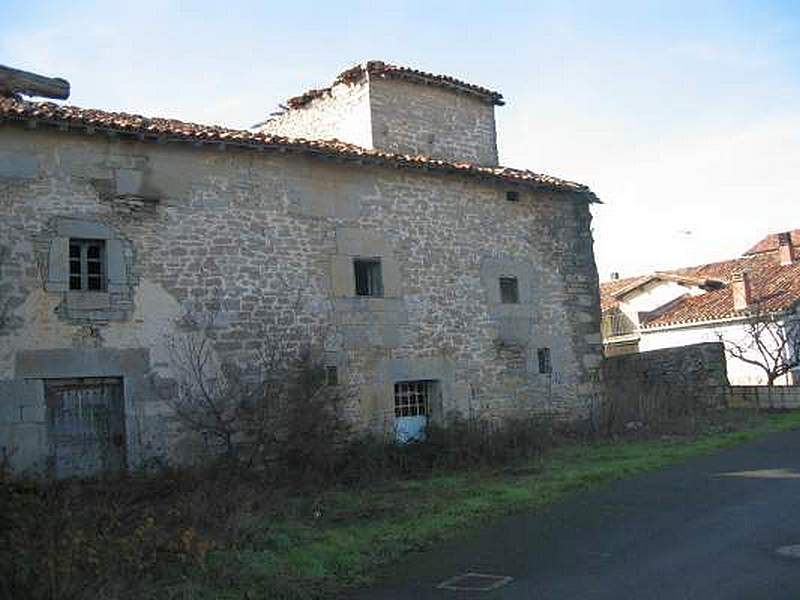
<point>86,427</point>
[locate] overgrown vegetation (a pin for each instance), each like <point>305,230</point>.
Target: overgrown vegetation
<point>234,533</point>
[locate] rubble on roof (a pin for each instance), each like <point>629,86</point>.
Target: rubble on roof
<point>376,68</point>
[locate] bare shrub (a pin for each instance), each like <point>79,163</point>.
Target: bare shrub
<point>769,341</point>
<point>270,411</point>
<point>462,444</point>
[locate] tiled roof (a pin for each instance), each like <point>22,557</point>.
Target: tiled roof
<point>771,242</point>
<point>376,68</point>
<point>70,118</point>
<point>774,288</point>
<point>609,290</point>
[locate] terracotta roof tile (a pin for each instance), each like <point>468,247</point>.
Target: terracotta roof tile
<point>774,288</point>
<point>159,129</point>
<point>771,242</point>
<point>610,289</point>
<point>377,68</point>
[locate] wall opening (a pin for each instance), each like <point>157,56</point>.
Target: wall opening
<point>412,408</point>
<point>545,364</point>
<point>369,277</point>
<point>87,265</point>
<point>509,290</point>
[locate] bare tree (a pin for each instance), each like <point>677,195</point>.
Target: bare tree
<point>227,402</point>
<point>273,404</point>
<point>769,341</point>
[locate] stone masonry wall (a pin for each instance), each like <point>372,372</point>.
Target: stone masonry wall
<point>400,117</point>
<point>693,375</point>
<point>409,118</point>
<point>272,238</point>
<point>344,114</point>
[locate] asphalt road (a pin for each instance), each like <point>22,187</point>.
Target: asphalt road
<point>685,532</point>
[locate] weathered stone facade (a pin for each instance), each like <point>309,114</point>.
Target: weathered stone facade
<point>397,116</point>
<point>272,237</point>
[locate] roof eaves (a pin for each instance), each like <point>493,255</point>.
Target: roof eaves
<point>67,118</point>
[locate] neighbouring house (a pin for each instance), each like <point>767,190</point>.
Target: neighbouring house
<point>371,216</point>
<point>714,302</point>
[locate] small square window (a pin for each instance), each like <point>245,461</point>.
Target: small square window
<point>369,277</point>
<point>87,265</point>
<point>331,375</point>
<point>512,196</point>
<point>544,361</point>
<point>509,290</point>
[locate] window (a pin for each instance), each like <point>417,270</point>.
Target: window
<point>509,290</point>
<point>544,361</point>
<point>512,196</point>
<point>331,375</point>
<point>87,265</point>
<point>369,278</point>
<point>412,398</point>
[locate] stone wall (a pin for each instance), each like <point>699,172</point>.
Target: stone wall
<point>779,397</point>
<point>686,376</point>
<point>409,118</point>
<point>267,239</point>
<point>397,116</point>
<point>342,114</point>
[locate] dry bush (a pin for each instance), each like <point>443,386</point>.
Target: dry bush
<point>462,444</point>
<point>75,540</point>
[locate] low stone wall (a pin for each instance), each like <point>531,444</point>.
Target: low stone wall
<point>663,384</point>
<point>760,396</point>
<point>699,366</point>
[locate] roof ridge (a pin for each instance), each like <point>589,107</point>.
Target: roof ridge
<point>379,68</point>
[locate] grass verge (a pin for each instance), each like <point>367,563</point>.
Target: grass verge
<point>316,547</point>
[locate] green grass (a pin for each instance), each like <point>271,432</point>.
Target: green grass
<point>314,547</point>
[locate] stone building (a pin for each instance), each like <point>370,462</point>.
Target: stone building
<point>370,216</point>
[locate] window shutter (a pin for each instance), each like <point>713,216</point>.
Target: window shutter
<point>117,275</point>
<point>58,265</point>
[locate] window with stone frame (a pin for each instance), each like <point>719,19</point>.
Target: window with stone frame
<point>509,290</point>
<point>87,262</point>
<point>369,277</point>
<point>413,398</point>
<point>87,265</point>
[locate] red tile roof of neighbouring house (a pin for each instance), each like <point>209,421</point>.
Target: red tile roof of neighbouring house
<point>774,288</point>
<point>377,68</point>
<point>71,118</point>
<point>771,242</point>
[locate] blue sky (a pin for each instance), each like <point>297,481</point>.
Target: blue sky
<point>684,117</point>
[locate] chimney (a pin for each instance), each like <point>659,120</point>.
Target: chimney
<point>785,253</point>
<point>740,288</point>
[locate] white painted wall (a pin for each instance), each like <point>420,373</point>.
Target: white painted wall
<point>739,372</point>
<point>652,296</point>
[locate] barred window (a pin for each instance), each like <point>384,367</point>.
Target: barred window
<point>369,277</point>
<point>87,265</point>
<point>412,398</point>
